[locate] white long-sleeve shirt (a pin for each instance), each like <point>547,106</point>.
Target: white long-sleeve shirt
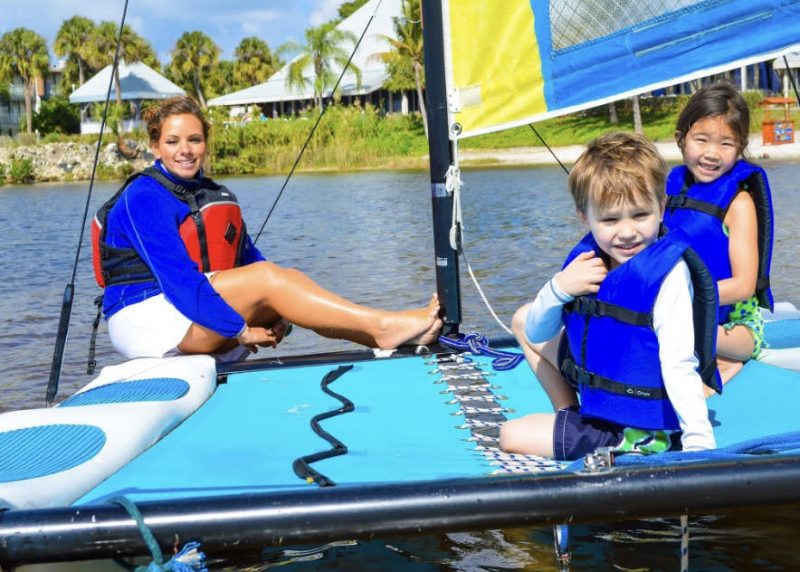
<point>673,325</point>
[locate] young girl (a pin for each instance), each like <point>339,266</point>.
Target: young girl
<point>723,203</point>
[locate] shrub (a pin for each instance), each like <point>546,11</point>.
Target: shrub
<point>21,170</point>
<point>57,115</point>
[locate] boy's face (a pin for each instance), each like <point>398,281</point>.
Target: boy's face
<point>623,230</point>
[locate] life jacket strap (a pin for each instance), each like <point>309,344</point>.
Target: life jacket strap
<point>681,201</point>
<point>92,363</point>
<point>591,306</point>
<point>579,375</point>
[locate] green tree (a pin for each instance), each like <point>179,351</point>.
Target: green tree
<point>24,52</point>
<point>73,41</point>
<point>132,48</point>
<point>323,52</point>
<point>348,8</point>
<point>407,54</point>
<point>57,115</point>
<point>219,79</point>
<point>195,56</point>
<point>254,63</point>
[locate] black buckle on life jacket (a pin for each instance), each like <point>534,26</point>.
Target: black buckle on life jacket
<point>576,374</point>
<point>585,306</point>
<point>591,306</point>
<point>676,201</point>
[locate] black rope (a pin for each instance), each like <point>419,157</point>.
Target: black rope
<point>69,291</point>
<point>791,79</point>
<point>548,148</point>
<point>301,466</point>
<point>325,104</point>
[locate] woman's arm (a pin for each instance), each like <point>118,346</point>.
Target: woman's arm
<point>674,327</point>
<point>742,250</point>
<point>150,217</point>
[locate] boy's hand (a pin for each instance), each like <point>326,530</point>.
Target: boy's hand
<point>583,275</point>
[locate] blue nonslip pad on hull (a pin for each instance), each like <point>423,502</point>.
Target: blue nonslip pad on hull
<point>154,389</point>
<point>35,452</point>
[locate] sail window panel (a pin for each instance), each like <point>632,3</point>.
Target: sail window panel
<point>576,22</point>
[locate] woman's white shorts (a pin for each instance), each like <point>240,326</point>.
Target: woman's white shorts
<point>150,328</point>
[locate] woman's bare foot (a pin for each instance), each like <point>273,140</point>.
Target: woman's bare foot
<point>420,326</point>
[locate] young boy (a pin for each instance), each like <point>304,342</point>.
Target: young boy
<point>629,302</point>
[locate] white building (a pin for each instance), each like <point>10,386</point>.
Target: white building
<point>275,98</point>
<point>138,82</point>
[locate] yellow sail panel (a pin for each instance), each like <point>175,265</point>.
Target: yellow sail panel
<point>495,69</point>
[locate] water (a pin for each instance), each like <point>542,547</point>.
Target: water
<point>367,236</point>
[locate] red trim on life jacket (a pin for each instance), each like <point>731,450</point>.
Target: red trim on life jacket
<point>222,226</point>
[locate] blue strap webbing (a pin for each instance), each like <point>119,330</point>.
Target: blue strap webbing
<point>478,344</point>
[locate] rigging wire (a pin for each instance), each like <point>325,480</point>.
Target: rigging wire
<point>548,148</point>
<point>791,79</point>
<point>325,105</point>
<point>454,184</point>
<point>69,290</point>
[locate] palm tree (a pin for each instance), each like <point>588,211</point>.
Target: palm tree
<point>254,62</point>
<point>132,48</point>
<point>72,42</point>
<point>195,55</point>
<point>637,115</point>
<point>407,48</point>
<point>348,7</point>
<point>323,51</point>
<point>24,52</point>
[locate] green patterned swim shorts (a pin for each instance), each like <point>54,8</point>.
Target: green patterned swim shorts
<point>748,314</point>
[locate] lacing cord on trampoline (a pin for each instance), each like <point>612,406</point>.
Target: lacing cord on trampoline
<point>188,559</point>
<point>478,344</point>
<point>301,465</point>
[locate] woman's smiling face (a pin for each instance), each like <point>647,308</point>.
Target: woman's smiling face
<point>182,145</point>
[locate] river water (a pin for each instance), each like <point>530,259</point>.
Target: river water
<point>367,236</point>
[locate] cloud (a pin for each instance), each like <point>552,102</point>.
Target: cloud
<point>326,10</point>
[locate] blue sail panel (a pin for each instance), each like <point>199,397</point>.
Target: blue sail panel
<point>583,53</point>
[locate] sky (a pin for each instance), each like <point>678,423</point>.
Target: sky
<point>162,22</point>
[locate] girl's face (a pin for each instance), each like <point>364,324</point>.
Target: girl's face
<point>182,146</point>
<point>624,230</point>
<point>710,149</point>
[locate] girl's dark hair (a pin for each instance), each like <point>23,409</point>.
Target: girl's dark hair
<point>180,104</point>
<point>720,99</point>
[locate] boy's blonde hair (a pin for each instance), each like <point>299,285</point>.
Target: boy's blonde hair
<point>618,167</point>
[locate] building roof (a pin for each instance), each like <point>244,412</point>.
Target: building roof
<point>137,81</point>
<point>373,72</point>
<point>793,58</point>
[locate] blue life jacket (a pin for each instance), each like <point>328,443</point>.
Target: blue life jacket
<point>699,209</point>
<point>609,352</point>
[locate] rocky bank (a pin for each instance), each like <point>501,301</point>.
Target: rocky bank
<point>74,161</point>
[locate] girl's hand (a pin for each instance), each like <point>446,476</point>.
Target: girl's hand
<point>583,275</point>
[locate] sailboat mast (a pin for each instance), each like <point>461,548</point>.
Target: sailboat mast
<point>447,274</point>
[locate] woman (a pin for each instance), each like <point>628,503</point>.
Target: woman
<point>183,277</point>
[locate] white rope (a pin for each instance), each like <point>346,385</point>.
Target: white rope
<point>684,543</point>
<point>453,184</point>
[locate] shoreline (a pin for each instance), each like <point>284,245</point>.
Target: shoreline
<point>70,162</point>
<point>531,156</point>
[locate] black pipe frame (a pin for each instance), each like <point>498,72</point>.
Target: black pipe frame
<point>251,522</point>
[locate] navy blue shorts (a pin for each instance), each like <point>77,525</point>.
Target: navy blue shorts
<point>575,436</point>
